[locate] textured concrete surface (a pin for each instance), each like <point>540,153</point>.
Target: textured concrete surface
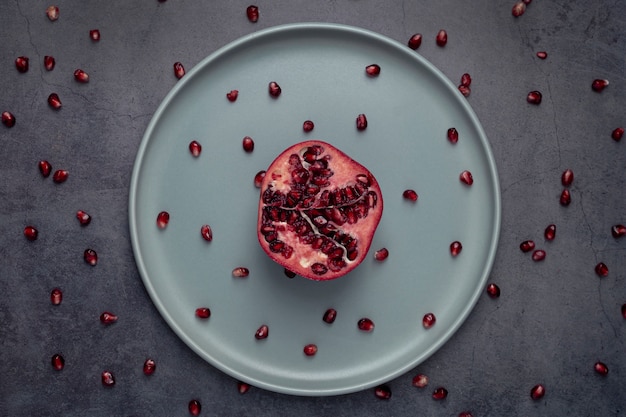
<point>553,321</point>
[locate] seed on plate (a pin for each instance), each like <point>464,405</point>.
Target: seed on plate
<point>373,70</point>
<point>466,178</point>
<point>550,232</point>
<point>542,54</point>
<point>330,315</point>
<point>241,272</point>
<point>48,62</point>
<point>262,332</point>
<point>8,119</point>
<point>365,324</point>
<point>534,97</point>
<point>381,254</point>
<point>195,148</point>
<point>232,95</point>
<point>162,220</point>
<point>410,195</point>
<point>308,125</point>
<point>429,320</point>
<point>310,349</point>
<point>453,135</point>
<point>617,134</point>
<point>203,312</point>
<point>455,248</point>
<point>566,198</point>
<point>274,89</point>
<point>206,232</point>
<point>361,122</point>
<point>60,176</point>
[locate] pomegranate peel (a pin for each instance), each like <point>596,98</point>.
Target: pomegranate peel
<point>318,211</point>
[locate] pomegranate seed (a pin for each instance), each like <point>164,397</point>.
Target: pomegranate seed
<point>83,218</point>
<point>534,97</point>
<point>542,54</point>
<point>465,414</point>
<point>624,311</point>
<point>453,135</point>
<point>566,198</point>
<point>308,125</point>
<point>58,362</point>
<point>493,291</point>
<point>54,101</point>
<point>241,272</point>
<point>310,350</point>
<point>203,312</point>
<point>527,246</point>
<point>45,168</point>
<point>232,95</point>
<point>539,255</point>
<point>410,195</point>
<point>8,119</point>
<point>48,62</point>
<point>420,381</point>
<point>262,332</point>
<point>330,315</point>
<point>617,134</point>
<point>415,41</point>
<point>373,70</point>
<point>60,176</point>
<point>567,177</point>
<point>429,320</point>
<point>527,2</point>
<point>21,63</point>
<point>274,89</point>
<point>91,257</point>
<point>206,232</point>
<point>289,273</point>
<point>550,232</point>
<point>179,70</point>
<point>81,76</point>
<point>31,233</point>
<point>242,387</point>
<point>365,324</point>
<point>163,218</point>
<point>601,368</point>
<point>442,38</point>
<point>466,80</point>
<point>440,393</point>
<point>598,85</point>
<point>258,178</point>
<point>381,254</point>
<point>53,13</point>
<point>537,392</point>
<point>108,380</point>
<point>618,230</point>
<point>455,248</point>
<point>248,144</point>
<point>466,177</point>
<point>518,9</point>
<point>56,296</point>
<point>602,270</point>
<point>252,12</point>
<point>382,392</point>
<point>108,318</point>
<point>361,122</point>
<point>149,366</point>
<point>94,34</point>
<point>195,148</point>
<point>195,407</point>
<point>466,91</point>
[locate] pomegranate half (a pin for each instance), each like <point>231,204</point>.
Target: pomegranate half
<point>318,211</point>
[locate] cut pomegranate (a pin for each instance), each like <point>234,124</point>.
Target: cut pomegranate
<point>252,12</point>
<point>241,272</point>
<point>310,349</point>
<point>453,135</point>
<point>493,291</point>
<point>455,248</point>
<point>8,119</point>
<point>54,101</point>
<point>232,95</point>
<point>195,148</point>
<point>308,125</point>
<point>567,177</point>
<point>381,254</point>
<point>599,84</point>
<point>90,256</point>
<point>466,91</point>
<point>539,255</point>
<point>81,76</point>
<point>108,318</point>
<point>45,168</point>
<point>429,320</point>
<point>262,332</point>
<point>442,38</point>
<point>53,13</point>
<point>48,62</point>
<point>21,64</point>
<point>206,232</point>
<point>56,296</point>
<point>440,393</point>
<point>550,232</point>
<point>179,70</point>
<point>163,218</point>
<point>527,246</point>
<point>518,9</point>
<point>566,198</point>
<point>382,392</point>
<point>361,122</point>
<point>108,380</point>
<point>415,41</point>
<point>149,366</point>
<point>60,176</point>
<point>602,270</point>
<point>258,178</point>
<point>542,54</point>
<point>203,312</point>
<point>330,315</point>
<point>94,34</point>
<point>194,407</point>
<point>420,381</point>
<point>617,134</point>
<point>373,70</point>
<point>274,89</point>
<point>242,387</point>
<point>466,80</point>
<point>288,273</point>
<point>410,195</point>
<point>601,368</point>
<point>365,324</point>
<point>537,392</point>
<point>534,97</point>
<point>83,218</point>
<point>31,233</point>
<point>58,362</point>
<point>248,144</point>
<point>466,178</point>
<point>618,230</point>
<point>318,211</point>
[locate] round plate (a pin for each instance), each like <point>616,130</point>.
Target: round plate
<point>321,69</point>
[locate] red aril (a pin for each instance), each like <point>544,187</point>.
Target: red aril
<point>539,255</point>
<point>466,178</point>
<point>94,34</point>
<point>534,97</point>
<point>373,70</point>
<point>566,198</point>
<point>108,380</point>
<point>381,254</point>
<point>465,414</point>
<point>262,332</point>
<point>618,230</point>
<point>149,366</point>
<point>365,325</point>
<point>466,80</point>
<point>242,387</point>
<point>493,291</point>
<point>567,177</point>
<point>258,178</point>
<point>415,41</point>
<point>455,248</point>
<point>21,64</point>
<point>420,381</point>
<point>440,393</point>
<point>527,246</point>
<point>429,320</point>
<point>194,407</point>
<point>58,362</point>
<point>318,211</point>
<point>45,168</point>
<point>308,125</point>
<point>601,368</point>
<point>537,392</point>
<point>453,135</point>
<point>195,148</point>
<point>617,134</point>
<point>410,195</point>
<point>81,76</point>
<point>54,101</point>
<point>53,13</point>
<point>248,144</point>
<point>518,9</point>
<point>602,270</point>
<point>232,95</point>
<point>31,233</point>
<point>206,232</point>
<point>329,315</point>
<point>83,218</point>
<point>599,84</point>
<point>90,256</point>
<point>56,296</point>
<point>274,89</point>
<point>241,272</point>
<point>48,62</point>
<point>542,54</point>
<point>252,12</point>
<point>466,91</point>
<point>624,311</point>
<point>60,176</point>
<point>361,122</point>
<point>108,318</point>
<point>8,119</point>
<point>310,349</point>
<point>163,218</point>
<point>442,38</point>
<point>382,392</point>
<point>203,312</point>
<point>179,70</point>
<point>550,232</point>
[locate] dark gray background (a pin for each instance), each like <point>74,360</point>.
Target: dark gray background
<point>554,320</point>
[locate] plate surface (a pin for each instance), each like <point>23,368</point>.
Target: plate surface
<point>321,69</point>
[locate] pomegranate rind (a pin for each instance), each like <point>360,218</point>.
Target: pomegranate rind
<point>303,257</point>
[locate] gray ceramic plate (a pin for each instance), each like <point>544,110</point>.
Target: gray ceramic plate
<point>321,69</point>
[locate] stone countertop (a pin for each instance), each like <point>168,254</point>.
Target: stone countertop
<point>553,321</point>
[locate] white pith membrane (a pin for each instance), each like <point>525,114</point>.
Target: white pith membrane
<point>312,207</point>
